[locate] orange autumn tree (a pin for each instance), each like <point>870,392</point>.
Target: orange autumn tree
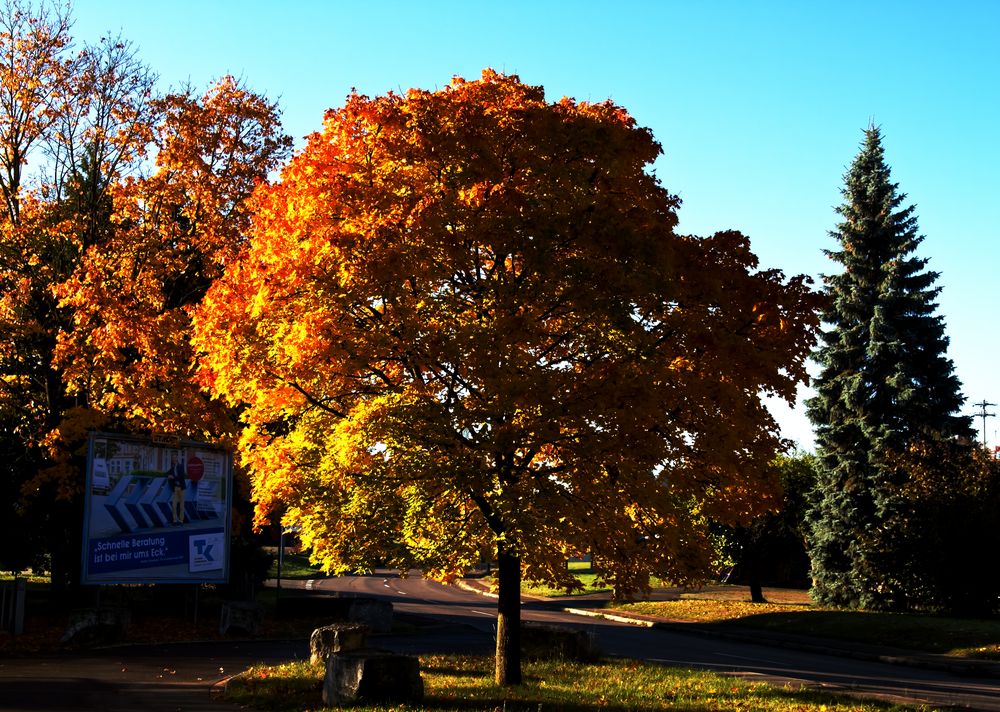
<point>465,327</point>
<point>126,355</point>
<point>130,297</point>
<point>71,123</point>
<point>119,208</point>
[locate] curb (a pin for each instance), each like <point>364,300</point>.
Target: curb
<point>466,586</point>
<point>978,668</point>
<point>220,687</point>
<point>616,617</point>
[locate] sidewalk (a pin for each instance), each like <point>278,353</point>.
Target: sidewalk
<point>596,606</point>
<point>154,678</point>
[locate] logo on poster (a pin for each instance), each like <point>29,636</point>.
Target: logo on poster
<point>206,552</point>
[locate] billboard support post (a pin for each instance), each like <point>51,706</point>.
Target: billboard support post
<point>281,561</point>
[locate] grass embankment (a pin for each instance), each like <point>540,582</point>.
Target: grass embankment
<point>973,638</point>
<point>466,683</point>
<point>792,612</point>
<point>32,579</point>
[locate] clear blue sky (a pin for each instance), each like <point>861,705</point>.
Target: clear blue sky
<point>759,106</point>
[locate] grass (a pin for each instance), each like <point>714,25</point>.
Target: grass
<point>584,574</point>
<point>294,566</point>
<point>710,610</point>
<point>973,638</point>
<point>32,578</point>
<point>466,683</point>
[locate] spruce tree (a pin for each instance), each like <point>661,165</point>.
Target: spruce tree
<point>886,382</point>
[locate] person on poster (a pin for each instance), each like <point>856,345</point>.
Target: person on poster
<point>177,482</point>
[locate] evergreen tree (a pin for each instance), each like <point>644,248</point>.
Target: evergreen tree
<point>886,381</point>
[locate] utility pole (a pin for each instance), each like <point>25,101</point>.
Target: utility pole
<point>984,415</point>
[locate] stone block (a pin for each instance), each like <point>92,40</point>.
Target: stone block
<point>372,676</point>
<point>371,612</point>
<point>240,617</point>
<point>97,626</point>
<point>540,641</point>
<point>336,638</point>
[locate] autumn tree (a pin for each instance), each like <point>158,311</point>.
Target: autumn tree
<point>134,203</point>
<point>79,121</point>
<point>36,69</point>
<point>174,230</point>
<point>128,354</point>
<point>465,327</point>
<point>885,383</point>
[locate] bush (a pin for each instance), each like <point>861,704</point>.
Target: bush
<point>930,553</point>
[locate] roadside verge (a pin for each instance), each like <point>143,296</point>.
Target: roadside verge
<point>824,646</point>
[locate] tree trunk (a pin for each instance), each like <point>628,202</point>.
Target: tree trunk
<point>508,662</point>
<point>753,566</point>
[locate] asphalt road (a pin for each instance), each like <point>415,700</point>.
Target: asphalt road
<point>897,683</point>
<point>169,678</point>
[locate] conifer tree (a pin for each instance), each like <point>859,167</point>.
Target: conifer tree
<point>886,381</point>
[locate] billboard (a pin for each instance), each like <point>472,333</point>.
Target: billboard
<point>156,512</point>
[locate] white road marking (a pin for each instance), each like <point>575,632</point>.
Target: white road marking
<point>751,659</point>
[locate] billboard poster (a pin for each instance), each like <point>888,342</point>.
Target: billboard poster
<point>156,512</point>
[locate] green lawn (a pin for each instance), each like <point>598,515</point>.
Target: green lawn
<point>583,572</point>
<point>466,683</point>
<point>294,566</point>
<point>728,606</point>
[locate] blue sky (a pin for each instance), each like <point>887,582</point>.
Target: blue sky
<point>759,106</point>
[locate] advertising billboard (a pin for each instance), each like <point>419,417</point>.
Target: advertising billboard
<point>156,512</point>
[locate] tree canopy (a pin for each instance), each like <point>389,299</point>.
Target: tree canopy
<point>120,207</point>
<point>465,327</point>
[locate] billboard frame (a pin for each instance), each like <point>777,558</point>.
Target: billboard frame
<point>129,500</point>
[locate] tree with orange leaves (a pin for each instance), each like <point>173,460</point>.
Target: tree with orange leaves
<point>465,327</point>
<point>100,260</point>
<point>174,230</point>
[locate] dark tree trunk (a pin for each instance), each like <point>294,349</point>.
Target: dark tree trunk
<point>752,563</point>
<point>508,662</point>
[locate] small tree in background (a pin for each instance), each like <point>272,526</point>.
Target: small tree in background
<point>886,381</point>
<point>772,550</point>
<point>935,550</point>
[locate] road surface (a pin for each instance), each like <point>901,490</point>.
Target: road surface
<point>146,678</point>
<point>897,683</point>
<point>168,678</point>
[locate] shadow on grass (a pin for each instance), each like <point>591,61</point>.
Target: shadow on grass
<point>284,698</point>
<point>465,683</point>
<point>279,696</point>
<point>920,632</point>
